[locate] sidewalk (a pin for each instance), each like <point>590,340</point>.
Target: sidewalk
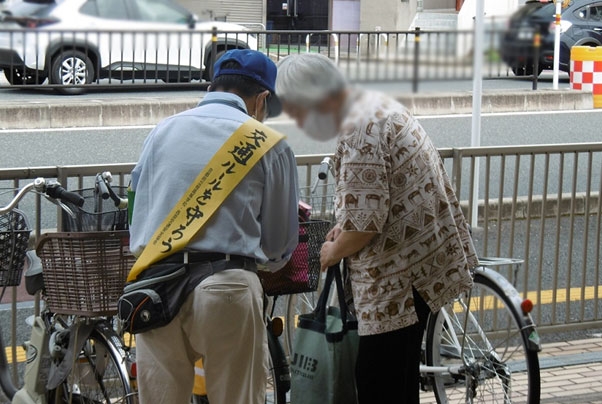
<point>571,372</point>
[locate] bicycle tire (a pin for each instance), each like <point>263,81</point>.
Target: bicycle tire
<point>98,375</point>
<point>300,303</point>
<point>279,377</point>
<point>503,368</point>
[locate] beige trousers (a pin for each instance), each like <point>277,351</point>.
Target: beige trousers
<point>222,322</point>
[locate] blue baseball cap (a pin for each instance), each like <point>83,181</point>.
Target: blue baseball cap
<point>256,66</point>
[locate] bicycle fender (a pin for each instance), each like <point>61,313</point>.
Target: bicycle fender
<point>526,323</point>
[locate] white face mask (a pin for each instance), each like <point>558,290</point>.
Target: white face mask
<point>321,127</point>
<point>265,112</point>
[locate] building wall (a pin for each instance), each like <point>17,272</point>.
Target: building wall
<point>439,4</point>
<point>239,11</point>
<point>381,14</point>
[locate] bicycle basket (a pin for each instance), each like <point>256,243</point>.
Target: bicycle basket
<point>84,273</point>
<point>14,241</point>
<point>321,199</point>
<point>302,272</point>
<point>97,214</point>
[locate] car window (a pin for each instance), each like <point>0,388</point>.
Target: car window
<point>161,11</point>
<point>109,9</point>
<point>595,13</point>
<point>581,13</point>
<point>30,9</point>
<point>590,13</point>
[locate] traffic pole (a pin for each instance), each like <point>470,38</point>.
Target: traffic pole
<point>557,44</point>
<point>477,96</point>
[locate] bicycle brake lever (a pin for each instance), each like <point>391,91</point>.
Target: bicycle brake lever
<point>61,205</point>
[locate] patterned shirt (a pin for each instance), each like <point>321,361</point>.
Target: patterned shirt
<point>391,181</point>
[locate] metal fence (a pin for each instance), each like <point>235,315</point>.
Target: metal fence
<point>72,60</point>
<point>536,203</point>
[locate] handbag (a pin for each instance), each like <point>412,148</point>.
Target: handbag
<point>325,351</point>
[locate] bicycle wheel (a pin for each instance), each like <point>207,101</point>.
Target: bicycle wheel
<point>297,304</point>
<point>98,375</point>
<point>498,365</point>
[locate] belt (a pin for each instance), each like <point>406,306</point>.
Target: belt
<point>225,261</point>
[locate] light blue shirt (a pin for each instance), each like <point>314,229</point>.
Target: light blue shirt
<point>259,219</point>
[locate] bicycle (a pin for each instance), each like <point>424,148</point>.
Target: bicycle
<point>483,347</point>
<point>75,353</point>
<point>111,213</point>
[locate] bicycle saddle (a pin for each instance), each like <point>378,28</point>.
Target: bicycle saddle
<point>34,280</point>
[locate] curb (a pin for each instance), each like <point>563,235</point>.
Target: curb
<point>499,101</point>
<point>68,113</point>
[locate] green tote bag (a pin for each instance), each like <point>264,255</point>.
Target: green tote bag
<point>325,351</point>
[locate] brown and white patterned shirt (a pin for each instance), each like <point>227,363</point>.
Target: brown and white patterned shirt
<point>391,181</point>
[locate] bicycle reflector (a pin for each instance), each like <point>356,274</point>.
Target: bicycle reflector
<point>277,326</point>
<point>526,306</point>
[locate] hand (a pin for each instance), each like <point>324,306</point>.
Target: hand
<point>334,233</point>
<point>327,256</point>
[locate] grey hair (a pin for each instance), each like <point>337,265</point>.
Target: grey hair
<point>305,79</point>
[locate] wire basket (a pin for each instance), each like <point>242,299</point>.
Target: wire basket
<point>321,199</point>
<point>84,273</point>
<point>97,214</point>
<point>302,273</point>
<point>14,241</point>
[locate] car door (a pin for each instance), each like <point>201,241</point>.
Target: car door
<point>109,24</point>
<point>170,40</point>
<point>595,22</point>
<point>587,25</point>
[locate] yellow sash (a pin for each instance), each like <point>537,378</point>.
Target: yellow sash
<point>243,149</point>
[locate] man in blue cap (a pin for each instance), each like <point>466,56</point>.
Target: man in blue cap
<point>222,320</point>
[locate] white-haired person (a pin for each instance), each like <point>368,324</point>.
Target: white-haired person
<point>399,223</point>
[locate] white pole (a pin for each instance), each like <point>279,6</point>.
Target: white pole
<point>477,90</point>
<point>556,45</point>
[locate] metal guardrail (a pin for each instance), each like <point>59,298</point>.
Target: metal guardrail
<point>168,58</point>
<point>538,203</point>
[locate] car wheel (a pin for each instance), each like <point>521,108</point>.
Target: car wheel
<point>71,68</point>
<point>209,69</point>
<point>17,77</point>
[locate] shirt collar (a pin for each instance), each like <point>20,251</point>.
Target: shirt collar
<point>225,96</point>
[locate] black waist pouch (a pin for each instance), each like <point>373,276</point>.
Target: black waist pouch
<point>154,299</point>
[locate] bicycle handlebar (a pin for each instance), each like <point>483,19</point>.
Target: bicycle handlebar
<point>56,191</point>
<point>52,189</point>
<point>103,181</point>
<point>325,166</point>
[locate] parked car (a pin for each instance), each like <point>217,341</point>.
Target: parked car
<point>581,25</point>
<point>80,41</point>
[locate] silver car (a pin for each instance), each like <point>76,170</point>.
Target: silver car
<point>77,42</point>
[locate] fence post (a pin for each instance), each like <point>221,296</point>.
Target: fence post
<point>536,49</point>
<point>213,49</point>
<point>416,59</point>
<point>336,48</point>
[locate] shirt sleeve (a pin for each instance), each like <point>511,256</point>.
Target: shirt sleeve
<point>279,212</point>
<point>362,185</point>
